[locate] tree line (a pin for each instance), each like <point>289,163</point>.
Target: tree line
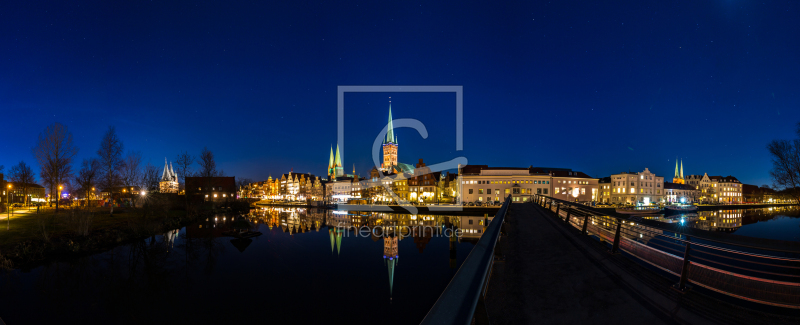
<point>111,169</point>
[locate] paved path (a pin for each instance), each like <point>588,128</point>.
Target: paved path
<point>550,276</point>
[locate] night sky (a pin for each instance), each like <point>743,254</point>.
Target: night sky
<point>600,88</point>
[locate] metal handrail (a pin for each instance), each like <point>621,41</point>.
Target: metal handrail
<point>687,265</point>
<point>692,234</point>
<point>458,302</point>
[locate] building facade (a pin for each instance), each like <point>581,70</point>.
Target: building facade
<point>481,183</point>
<point>716,189</point>
<point>169,179</point>
<point>604,190</point>
<point>680,193</point>
<point>727,189</point>
<point>423,187</point>
<point>643,187</point>
<point>16,194</point>
<point>212,189</point>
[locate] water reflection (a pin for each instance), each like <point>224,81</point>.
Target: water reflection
<point>731,220</point>
<point>300,257</point>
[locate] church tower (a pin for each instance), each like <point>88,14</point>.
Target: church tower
<point>389,146</point>
<point>335,168</point>
<point>678,178</point>
<point>337,162</point>
<point>331,166</point>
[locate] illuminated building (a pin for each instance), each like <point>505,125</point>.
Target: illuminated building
<point>637,188</point>
<point>335,168</point>
<point>300,187</point>
<point>727,189</point>
<point>724,189</point>
<point>36,192</point>
<point>389,146</point>
<point>679,193</point>
<point>481,183</point>
<point>678,178</point>
<point>423,187</point>
<point>169,179</point>
<point>216,189</point>
<point>604,190</point>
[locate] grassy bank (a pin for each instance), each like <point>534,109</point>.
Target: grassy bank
<point>33,238</point>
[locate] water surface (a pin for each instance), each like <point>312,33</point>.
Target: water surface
<point>308,266</point>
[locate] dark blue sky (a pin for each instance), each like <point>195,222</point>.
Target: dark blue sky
<point>597,87</point>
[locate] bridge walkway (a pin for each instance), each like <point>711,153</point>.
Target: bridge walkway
<point>550,274</point>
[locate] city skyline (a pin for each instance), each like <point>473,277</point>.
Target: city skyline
<point>588,87</point>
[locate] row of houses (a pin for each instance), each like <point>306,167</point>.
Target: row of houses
<point>483,184</point>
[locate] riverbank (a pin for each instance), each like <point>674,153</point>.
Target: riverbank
<point>451,210</point>
<point>714,207</point>
<point>34,238</point>
<point>299,205</point>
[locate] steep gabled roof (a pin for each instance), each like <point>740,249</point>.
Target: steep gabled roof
<point>337,161</point>
<point>166,176</point>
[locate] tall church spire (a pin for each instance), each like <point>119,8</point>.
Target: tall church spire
<point>337,161</point>
<point>330,161</point>
<point>389,144</point>
<point>165,176</point>
<point>676,167</point>
<point>678,178</point>
<point>390,138</point>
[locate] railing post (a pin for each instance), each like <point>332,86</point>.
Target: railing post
<point>615,248</point>
<point>557,207</point>
<point>566,220</point>
<point>681,286</point>
<point>585,224</point>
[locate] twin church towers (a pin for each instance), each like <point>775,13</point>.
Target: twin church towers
<point>335,168</point>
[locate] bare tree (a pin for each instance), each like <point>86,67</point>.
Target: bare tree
<point>132,170</point>
<point>111,162</point>
<point>184,162</point>
<point>87,177</point>
<point>54,151</point>
<point>786,165</point>
<point>242,182</point>
<point>208,167</point>
<point>24,177</point>
<point>150,177</point>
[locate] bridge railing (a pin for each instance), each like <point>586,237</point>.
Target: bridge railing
<point>459,301</point>
<point>756,270</point>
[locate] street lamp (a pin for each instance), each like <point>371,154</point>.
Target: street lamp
<point>8,211</point>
